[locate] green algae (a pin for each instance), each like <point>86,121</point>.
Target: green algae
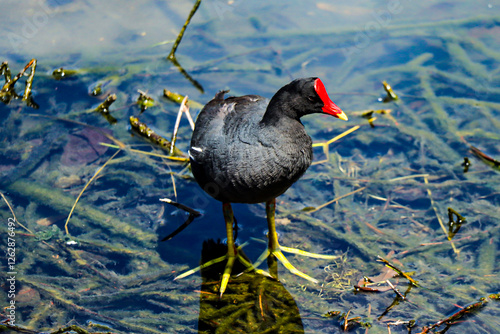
<point>59,201</point>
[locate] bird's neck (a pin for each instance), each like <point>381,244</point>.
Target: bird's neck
<point>279,109</point>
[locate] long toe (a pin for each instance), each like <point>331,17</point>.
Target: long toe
<point>279,255</point>
<point>227,273</point>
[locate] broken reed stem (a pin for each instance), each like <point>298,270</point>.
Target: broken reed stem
<point>9,84</point>
<point>84,188</point>
<point>171,56</point>
<point>29,82</point>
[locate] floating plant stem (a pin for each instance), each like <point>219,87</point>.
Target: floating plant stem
<point>174,97</point>
<point>145,101</point>
<point>466,164</point>
<point>454,225</point>
<point>433,204</point>
<point>5,71</point>
<point>176,126</point>
<point>390,95</point>
<point>181,206</point>
<point>396,290</point>
<point>103,108</point>
<point>61,73</point>
<point>145,131</point>
<point>187,76</point>
<point>86,186</point>
<point>96,90</point>
<point>177,98</point>
<point>369,116</point>
<point>371,119</point>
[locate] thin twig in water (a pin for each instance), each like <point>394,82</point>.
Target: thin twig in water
<point>84,188</point>
<point>334,200</point>
<point>13,214</point>
<point>192,215</point>
<point>182,109</point>
<point>325,145</point>
<point>181,159</point>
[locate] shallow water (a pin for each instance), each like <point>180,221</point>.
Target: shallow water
<point>399,177</point>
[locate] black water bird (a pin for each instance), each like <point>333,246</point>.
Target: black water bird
<point>250,149</point>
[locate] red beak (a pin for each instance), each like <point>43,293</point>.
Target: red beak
<point>329,107</point>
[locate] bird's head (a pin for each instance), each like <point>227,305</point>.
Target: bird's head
<point>306,96</point>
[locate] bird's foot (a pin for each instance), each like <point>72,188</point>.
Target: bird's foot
<point>277,252</point>
<point>231,257</point>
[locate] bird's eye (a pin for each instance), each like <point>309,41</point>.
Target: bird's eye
<point>311,98</point>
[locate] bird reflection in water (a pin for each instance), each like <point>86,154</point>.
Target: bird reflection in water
<point>252,303</point>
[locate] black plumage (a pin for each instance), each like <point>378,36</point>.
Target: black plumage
<point>250,149</point>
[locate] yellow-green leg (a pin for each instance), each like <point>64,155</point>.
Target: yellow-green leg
<point>231,256</point>
<point>272,237</point>
<point>231,249</point>
<point>274,250</point>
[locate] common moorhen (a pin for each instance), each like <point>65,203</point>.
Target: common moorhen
<point>250,149</point>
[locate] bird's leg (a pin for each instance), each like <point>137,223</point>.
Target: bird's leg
<point>231,250</point>
<point>272,237</point>
<point>274,250</point>
<point>231,256</point>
